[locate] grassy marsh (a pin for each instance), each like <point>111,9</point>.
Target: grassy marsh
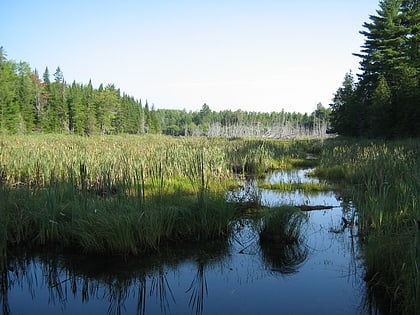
<point>383,179</point>
<point>124,195</point>
<point>127,195</point>
<point>290,186</point>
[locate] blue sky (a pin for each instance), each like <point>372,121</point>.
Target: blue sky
<point>260,55</point>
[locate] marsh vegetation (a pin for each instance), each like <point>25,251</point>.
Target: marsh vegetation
<point>215,276</point>
<point>383,180</point>
<point>124,195</point>
<point>127,196</point>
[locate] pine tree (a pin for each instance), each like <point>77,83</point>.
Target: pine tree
<point>37,99</point>
<point>8,89</point>
<point>107,107</point>
<point>57,114</point>
<point>89,108</point>
<point>344,113</point>
<point>76,111</point>
<point>381,109</point>
<point>385,101</point>
<point>25,97</point>
<point>45,102</point>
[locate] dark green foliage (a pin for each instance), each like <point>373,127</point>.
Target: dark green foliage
<point>282,225</point>
<point>385,102</point>
<point>344,113</point>
<point>48,104</point>
<point>8,106</point>
<point>30,104</point>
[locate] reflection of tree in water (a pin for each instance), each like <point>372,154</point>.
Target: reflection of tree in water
<point>248,195</point>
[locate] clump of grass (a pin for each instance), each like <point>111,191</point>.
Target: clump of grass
<point>110,226</point>
<point>304,162</point>
<point>292,186</point>
<point>281,238</point>
<point>282,225</point>
<point>336,173</point>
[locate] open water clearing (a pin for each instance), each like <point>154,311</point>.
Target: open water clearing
<point>321,275</point>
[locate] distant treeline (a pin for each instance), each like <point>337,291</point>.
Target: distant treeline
<point>385,100</point>
<point>30,103</point>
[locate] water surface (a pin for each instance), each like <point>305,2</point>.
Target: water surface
<point>321,275</point>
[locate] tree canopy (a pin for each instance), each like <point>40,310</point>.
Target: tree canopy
<point>385,101</point>
<point>49,104</point>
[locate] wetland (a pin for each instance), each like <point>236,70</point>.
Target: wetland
<point>159,225</point>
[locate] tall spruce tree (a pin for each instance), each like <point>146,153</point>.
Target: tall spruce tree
<point>45,102</point>
<point>25,97</point>
<point>37,100</point>
<point>9,109</point>
<point>344,110</point>
<point>58,114</point>
<point>386,97</point>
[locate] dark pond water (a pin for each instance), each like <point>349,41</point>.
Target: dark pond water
<point>321,275</point>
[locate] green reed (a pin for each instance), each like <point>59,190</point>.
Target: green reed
<point>293,186</point>
<point>282,225</point>
<point>109,195</point>
<point>124,195</point>
<point>281,239</point>
<point>384,180</point>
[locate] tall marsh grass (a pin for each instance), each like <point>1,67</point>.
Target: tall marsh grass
<point>384,180</point>
<point>110,195</point>
<point>281,238</point>
<point>123,195</point>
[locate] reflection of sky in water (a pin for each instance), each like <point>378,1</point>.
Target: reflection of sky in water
<point>238,281</point>
<point>273,198</point>
<point>291,176</point>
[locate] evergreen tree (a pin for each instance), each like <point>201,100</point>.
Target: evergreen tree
<point>147,118</point>
<point>25,97</point>
<point>381,109</point>
<point>76,109</point>
<point>107,106</point>
<point>57,114</point>
<point>386,99</point>
<point>37,99</point>
<point>45,102</point>
<point>344,114</point>
<point>89,108</point>
<point>28,104</point>
<point>8,85</point>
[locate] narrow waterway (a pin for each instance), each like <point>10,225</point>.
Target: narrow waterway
<point>323,274</point>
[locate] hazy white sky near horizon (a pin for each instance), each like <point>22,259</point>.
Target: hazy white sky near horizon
<point>261,55</point>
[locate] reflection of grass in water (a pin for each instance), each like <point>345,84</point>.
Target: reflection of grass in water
<point>198,289</point>
<point>281,239</point>
<point>117,280</point>
<point>284,258</point>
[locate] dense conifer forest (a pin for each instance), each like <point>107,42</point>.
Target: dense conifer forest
<point>384,100</point>
<point>48,104</point>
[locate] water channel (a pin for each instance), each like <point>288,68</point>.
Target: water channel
<point>321,275</point>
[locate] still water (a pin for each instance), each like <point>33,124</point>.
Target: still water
<point>321,275</point>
